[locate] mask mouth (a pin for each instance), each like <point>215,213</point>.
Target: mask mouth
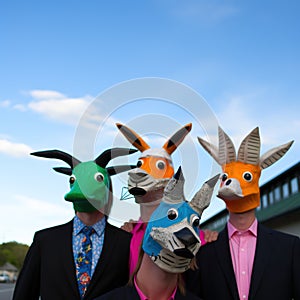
<point>231,190</point>
<point>136,191</point>
<point>229,195</point>
<point>184,252</point>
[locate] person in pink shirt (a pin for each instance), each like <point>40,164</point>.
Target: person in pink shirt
<point>146,183</point>
<point>248,260</point>
<point>170,244</point>
<point>137,228</point>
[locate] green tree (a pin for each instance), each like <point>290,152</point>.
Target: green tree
<point>13,253</point>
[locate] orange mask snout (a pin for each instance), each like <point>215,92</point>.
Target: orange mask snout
<point>239,186</point>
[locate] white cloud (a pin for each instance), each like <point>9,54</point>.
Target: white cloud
<point>57,106</point>
<point>46,94</point>
<point>14,149</point>
<point>81,111</point>
<point>5,103</point>
<point>20,107</point>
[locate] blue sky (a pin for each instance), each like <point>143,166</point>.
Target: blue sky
<point>59,57</point>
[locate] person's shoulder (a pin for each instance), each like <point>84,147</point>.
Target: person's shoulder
<point>278,234</point>
<point>118,231</point>
<point>285,240</point>
<point>54,229</point>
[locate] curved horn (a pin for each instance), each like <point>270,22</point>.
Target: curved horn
<point>271,156</point>
<point>173,192</point>
<point>202,198</point>
<point>104,158</point>
<point>69,159</point>
<point>135,139</point>
<point>226,148</point>
<point>66,171</point>
<point>119,169</point>
<point>249,150</point>
<point>177,138</point>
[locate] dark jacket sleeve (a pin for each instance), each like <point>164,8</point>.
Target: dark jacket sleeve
<point>296,269</point>
<point>28,282</point>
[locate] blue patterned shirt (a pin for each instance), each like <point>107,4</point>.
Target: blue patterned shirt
<point>97,239</point>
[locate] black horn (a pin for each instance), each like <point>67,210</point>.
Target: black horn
<point>67,158</point>
<point>104,158</point>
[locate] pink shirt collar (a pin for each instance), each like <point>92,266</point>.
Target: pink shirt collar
<point>232,230</point>
<point>139,225</point>
<point>143,297</point>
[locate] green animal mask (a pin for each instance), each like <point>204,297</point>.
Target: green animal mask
<point>90,182</point>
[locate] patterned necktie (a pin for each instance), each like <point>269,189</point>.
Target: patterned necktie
<point>84,260</point>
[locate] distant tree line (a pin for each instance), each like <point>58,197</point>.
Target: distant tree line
<point>13,253</point>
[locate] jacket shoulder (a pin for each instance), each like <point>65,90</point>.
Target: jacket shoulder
<point>54,230</point>
<point>118,231</point>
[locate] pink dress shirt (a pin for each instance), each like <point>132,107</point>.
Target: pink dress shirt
<point>242,248</point>
<point>143,297</point>
<point>138,231</point>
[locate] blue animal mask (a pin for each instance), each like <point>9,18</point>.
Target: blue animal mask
<point>172,234</point>
<point>90,183</point>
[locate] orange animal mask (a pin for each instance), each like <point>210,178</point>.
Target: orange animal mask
<point>154,167</point>
<point>239,186</point>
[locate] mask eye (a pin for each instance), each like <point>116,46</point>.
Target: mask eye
<point>160,164</point>
<point>139,163</point>
<point>224,176</point>
<point>72,179</point>
<point>172,214</point>
<point>195,220</point>
<point>99,177</point>
<point>247,176</point>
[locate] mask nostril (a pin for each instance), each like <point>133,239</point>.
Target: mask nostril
<point>228,182</point>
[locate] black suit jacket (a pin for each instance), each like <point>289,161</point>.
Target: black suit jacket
<point>275,274</point>
<point>49,268</point>
<point>130,293</point>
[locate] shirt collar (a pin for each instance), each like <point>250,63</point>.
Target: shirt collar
<point>139,225</point>
<point>252,229</point>
<point>143,297</point>
<point>98,227</point>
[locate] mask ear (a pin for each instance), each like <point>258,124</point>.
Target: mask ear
<point>271,156</point>
<point>249,150</point>
<point>177,138</point>
<point>202,198</point>
<point>133,137</point>
<point>226,148</point>
<point>212,150</point>
<point>66,171</point>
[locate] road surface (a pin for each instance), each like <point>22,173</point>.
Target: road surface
<point>6,291</point>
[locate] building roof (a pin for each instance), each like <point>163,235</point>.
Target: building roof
<point>9,267</point>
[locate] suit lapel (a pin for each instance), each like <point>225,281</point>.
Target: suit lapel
<point>263,245</point>
<point>224,258</point>
<point>105,256</point>
<point>68,257</point>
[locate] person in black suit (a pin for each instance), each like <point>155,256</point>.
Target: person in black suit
<point>248,260</point>
<point>64,262</point>
<point>275,274</point>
